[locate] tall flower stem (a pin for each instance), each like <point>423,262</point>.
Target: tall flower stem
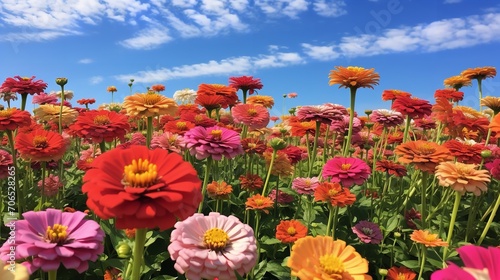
<point>423,198</point>
<point>315,148</point>
<point>454,213</point>
<point>10,137</point>
<point>149,132</point>
<point>490,220</point>
<point>264,189</point>
<point>480,89</point>
<point>138,254</point>
<point>24,98</point>
<point>52,274</point>
<point>351,121</point>
<point>407,128</point>
<point>423,258</point>
<point>244,95</point>
<point>208,167</point>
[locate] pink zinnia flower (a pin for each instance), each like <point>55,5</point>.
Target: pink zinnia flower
<point>23,85</point>
<point>213,142</point>
<point>168,141</point>
<point>479,263</point>
<point>494,168</point>
<point>47,239</point>
<point>51,186</point>
<point>305,185</point>
<point>205,247</point>
<point>368,232</point>
<point>251,115</point>
<point>342,125</point>
<point>387,118</point>
<point>325,113</point>
<point>5,164</point>
<point>44,98</point>
<point>346,171</point>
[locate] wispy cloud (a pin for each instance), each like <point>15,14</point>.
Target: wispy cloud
<point>452,1</point>
<point>96,80</point>
<point>332,8</point>
<point>147,39</point>
<point>290,8</point>
<point>85,61</point>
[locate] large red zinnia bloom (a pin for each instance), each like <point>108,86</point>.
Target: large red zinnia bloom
<point>347,171</point>
<point>412,106</point>
<point>12,119</point>
<point>100,125</point>
<point>23,85</point>
<point>228,93</point>
<point>245,83</point>
<point>40,145</point>
<point>253,116</point>
<point>142,188</point>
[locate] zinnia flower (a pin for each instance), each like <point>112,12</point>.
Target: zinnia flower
<point>168,141</point>
<point>412,107</point>
<point>149,105</point>
<point>219,190</point>
<point>282,197</point>
<point>347,171</point>
<point>392,94</point>
<point>47,239</point>
<point>266,101</point>
<point>111,89</point>
<point>205,247</point>
<point>334,194</point>
<point>50,186</point>
<point>158,88</point>
<point>411,215</point>
<point>245,83</point>
<point>325,113</point>
<point>479,263</point>
<point>5,164</point>
<point>51,113</point>
<point>142,188</point>
<point>391,168</point>
<point>251,182</point>
<point>228,94</point>
<point>13,271</point>
<point>422,154</point>
<point>321,257</point>
<point>387,118</point>
<point>13,118</point>
<point>184,96</point>
<point>305,185</point>
<point>400,273</point>
<point>100,125</point>
<point>495,124</point>
<point>353,77</point>
<point>290,231</point>
<point>86,101</point>
<point>479,73</point>
<point>457,82</point>
<point>179,127</point>
<point>213,142</point>
<point>449,93</point>
<point>427,238</point>
<point>494,168</point>
<point>492,102</point>
<point>282,165</point>
<point>462,177</point>
<point>40,145</point>
<point>23,85</point>
<point>465,152</point>
<point>259,202</point>
<point>368,232</point>
<point>253,116</point>
<point>44,98</point>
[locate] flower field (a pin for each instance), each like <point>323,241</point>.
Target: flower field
<point>206,184</point>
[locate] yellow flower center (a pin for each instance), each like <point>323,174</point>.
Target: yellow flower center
<point>430,237</point>
<point>259,201</point>
<point>40,141</point>
<point>101,120</point>
<point>401,276</point>
<point>6,113</point>
<point>56,234</point>
<point>181,125</point>
<point>355,68</point>
<point>198,118</point>
<point>215,239</point>
<point>25,78</point>
<point>291,231</point>
<point>331,264</point>
<point>346,166</point>
<point>140,173</point>
<point>332,192</point>
<point>151,98</point>
<point>216,133</point>
<point>252,112</point>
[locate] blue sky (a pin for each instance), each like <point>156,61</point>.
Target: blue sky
<point>291,45</point>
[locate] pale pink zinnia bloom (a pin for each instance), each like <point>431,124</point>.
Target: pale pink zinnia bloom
<point>342,125</point>
<point>325,113</point>
<point>251,115</point>
<point>346,171</point>
<point>206,247</point>
<point>168,141</point>
<point>5,164</point>
<point>213,142</point>
<point>47,239</point>
<point>51,186</point>
<point>305,185</point>
<point>387,118</point>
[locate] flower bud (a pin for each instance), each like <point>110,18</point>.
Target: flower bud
<point>383,272</point>
<point>61,81</point>
<point>485,153</point>
<point>397,234</point>
<point>368,112</point>
<point>123,250</point>
<point>278,143</point>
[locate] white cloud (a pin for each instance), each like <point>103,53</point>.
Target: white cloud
<point>96,80</point>
<point>290,8</point>
<point>331,8</point>
<point>40,36</point>
<point>320,52</point>
<point>148,38</point>
<point>85,61</point>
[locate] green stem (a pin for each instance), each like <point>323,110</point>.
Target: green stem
<point>407,128</point>
<point>334,222</point>
<point>423,258</point>
<point>52,274</point>
<point>61,109</point>
<point>490,220</point>
<point>269,172</point>
<point>140,240</point>
<point>330,219</point>
<point>208,166</point>
<point>351,121</point>
<point>13,152</point>
<point>149,132</point>
<point>454,213</point>
<point>480,88</point>
<point>24,97</point>
<point>315,147</point>
<point>423,198</point>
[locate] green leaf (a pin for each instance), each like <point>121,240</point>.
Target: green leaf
<point>277,270</point>
<point>260,270</point>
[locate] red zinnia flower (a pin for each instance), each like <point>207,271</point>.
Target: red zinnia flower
<point>245,83</point>
<point>390,167</point>
<point>251,182</point>
<point>391,94</point>
<point>23,85</point>
<point>86,101</point>
<point>142,188</point>
<point>178,126</point>
<point>412,106</point>
<point>199,119</point>
<point>158,88</point>
<point>401,273</point>
<point>290,231</point>
<point>464,152</point>
<point>228,93</point>
<point>100,125</point>
<point>450,94</point>
<point>210,102</point>
<point>12,119</point>
<point>40,145</point>
<point>347,171</point>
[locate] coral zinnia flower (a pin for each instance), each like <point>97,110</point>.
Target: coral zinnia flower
<point>44,98</point>
<point>412,106</point>
<point>149,105</point>
<point>253,116</point>
<point>179,127</point>
<point>85,101</point>
<point>353,77</point>
<point>290,231</point>
<point>390,167</point>
<point>347,171</point>
<point>158,88</point>
<point>13,118</point>
<point>51,113</point>
<point>450,94</point>
<point>427,238</point>
<point>50,238</point>
<point>40,145</point>
<point>213,142</point>
<point>495,124</point>
<point>392,94</point>
<point>184,96</point>
<point>479,73</point>
<point>400,273</point>
<point>111,89</point>
<point>321,257</point>
<point>210,102</point>
<point>100,125</point>
<point>424,155</point>
<point>142,188</point>
<point>168,141</point>
<point>245,83</point>
<point>334,194</point>
<point>457,82</point>
<point>23,85</point>
<point>368,232</point>
<point>462,177</point>
<point>219,190</point>
<point>228,94</point>
<point>266,101</point>
<point>251,182</point>
<point>205,247</point>
<point>259,202</point>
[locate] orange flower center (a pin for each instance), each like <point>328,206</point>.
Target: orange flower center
<point>101,120</point>
<point>151,98</point>
<point>430,237</point>
<point>25,78</point>
<point>331,264</point>
<point>426,149</point>
<point>252,112</point>
<point>291,231</point>
<point>332,192</point>
<point>6,113</point>
<point>181,125</point>
<point>215,239</point>
<point>216,133</point>
<point>140,173</point>
<point>401,276</point>
<point>198,118</point>
<point>259,201</point>
<point>56,234</point>
<point>346,166</point>
<point>40,141</point>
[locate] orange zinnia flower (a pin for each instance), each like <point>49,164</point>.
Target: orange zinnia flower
<point>290,231</point>
<point>480,73</point>
<point>178,126</point>
<point>219,190</point>
<point>491,102</point>
<point>266,101</point>
<point>457,82</point>
<point>40,145</point>
<point>149,105</point>
<point>111,89</point>
<point>158,88</point>
<point>228,93</point>
<point>495,124</point>
<point>259,202</point>
<point>427,238</point>
<point>353,77</point>
<point>321,257</point>
<point>282,165</point>
<point>391,94</point>
<point>462,177</point>
<point>424,155</point>
<point>251,182</point>
<point>334,194</point>
<point>400,273</point>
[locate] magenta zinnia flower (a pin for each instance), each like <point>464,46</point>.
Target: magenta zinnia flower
<point>251,115</point>
<point>479,263</point>
<point>213,142</point>
<point>494,168</point>
<point>205,247</point>
<point>346,171</point>
<point>368,232</point>
<point>305,185</point>
<point>47,239</point>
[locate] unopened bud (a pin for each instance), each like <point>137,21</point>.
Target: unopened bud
<point>61,81</point>
<point>485,153</point>
<point>278,143</point>
<point>123,250</point>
